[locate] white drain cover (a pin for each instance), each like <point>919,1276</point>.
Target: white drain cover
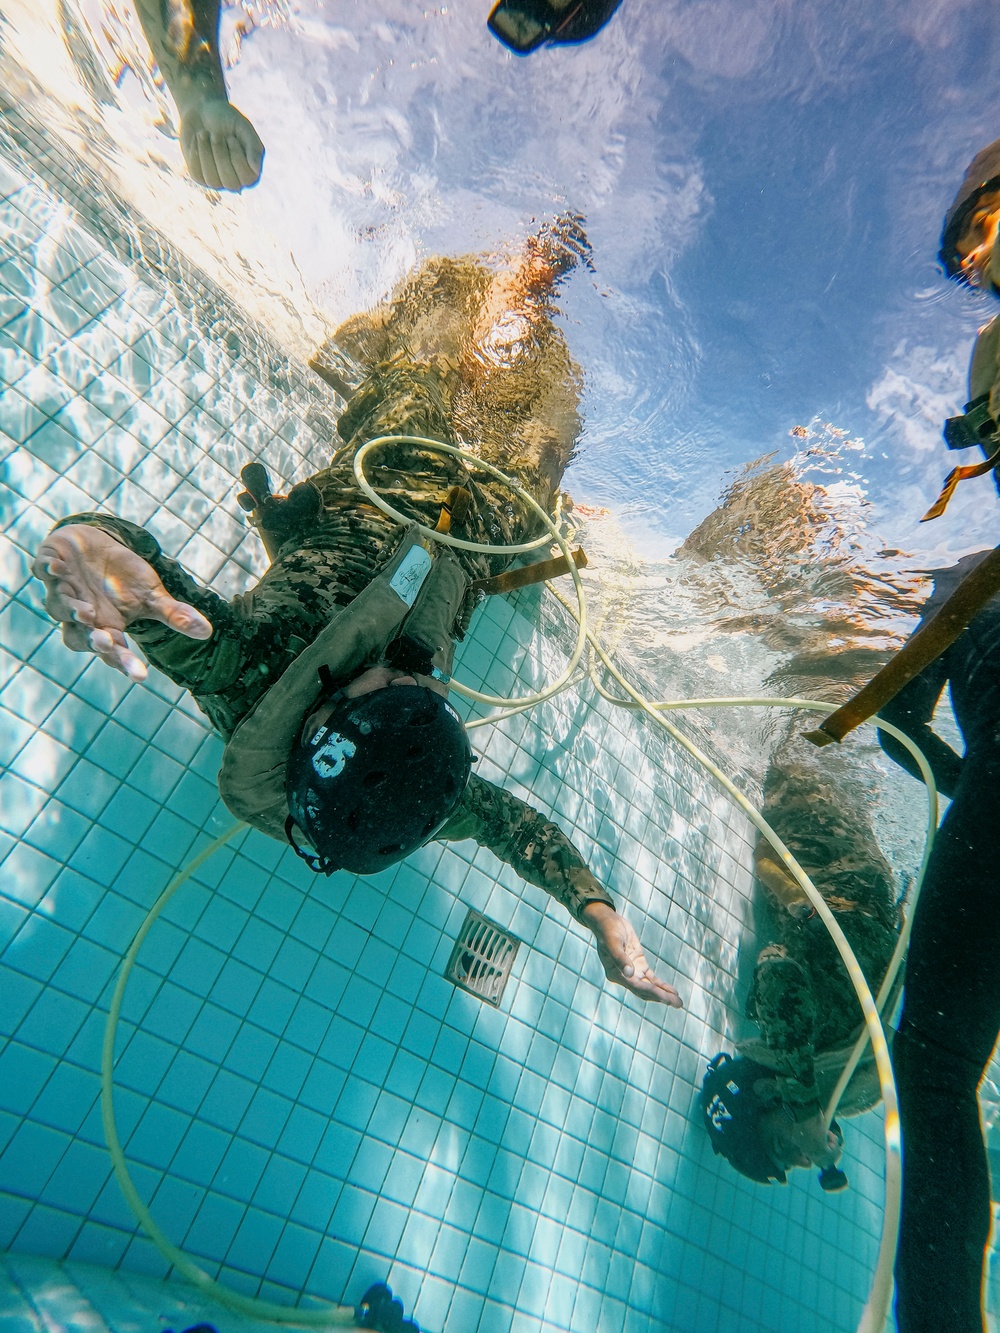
<point>482,958</point>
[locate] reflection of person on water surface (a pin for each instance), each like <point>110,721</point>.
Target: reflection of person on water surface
<point>765,1110</point>
<point>221,147</point>
<point>328,679</point>
<point>764,1105</point>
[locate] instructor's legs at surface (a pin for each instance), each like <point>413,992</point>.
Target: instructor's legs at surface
<point>951,1017</point>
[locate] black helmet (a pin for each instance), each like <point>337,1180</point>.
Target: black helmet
<point>734,1096</point>
<point>378,779</point>
<point>525,25</point>
<point>732,1108</point>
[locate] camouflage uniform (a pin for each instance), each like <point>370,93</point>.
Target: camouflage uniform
<point>802,997</point>
<point>327,563</point>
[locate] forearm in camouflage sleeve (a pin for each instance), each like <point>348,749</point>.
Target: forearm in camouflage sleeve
<point>524,839</point>
<point>190,663</point>
<point>784,1006</point>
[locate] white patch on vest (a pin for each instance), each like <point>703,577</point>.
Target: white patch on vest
<point>331,757</point>
<point>717,1113</point>
<point>409,577</point>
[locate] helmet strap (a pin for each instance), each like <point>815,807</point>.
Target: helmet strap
<point>319,865</point>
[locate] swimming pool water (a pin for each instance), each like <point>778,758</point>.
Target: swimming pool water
<point>307,1104</point>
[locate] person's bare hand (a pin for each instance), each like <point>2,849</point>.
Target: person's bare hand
<point>808,1142</point>
<point>95,587</point>
<point>622,957</point>
<point>220,146</point>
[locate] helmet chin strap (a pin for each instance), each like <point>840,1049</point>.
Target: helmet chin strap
<point>319,865</point>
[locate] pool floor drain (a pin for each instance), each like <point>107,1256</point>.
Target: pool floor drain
<point>482,958</point>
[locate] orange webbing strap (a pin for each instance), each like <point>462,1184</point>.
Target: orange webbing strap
<point>528,574</point>
<point>928,643</point>
<point>455,509</point>
<point>956,475</point>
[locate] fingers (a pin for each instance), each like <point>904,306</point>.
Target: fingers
<point>111,648</point>
<point>247,155</point>
<point>191,149</point>
<point>225,160</point>
<point>625,965</point>
<point>179,616</point>
<point>206,160</point>
<point>648,986</point>
<point>224,169</point>
<point>62,593</point>
<point>107,644</point>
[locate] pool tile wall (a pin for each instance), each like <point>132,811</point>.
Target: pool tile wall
<point>307,1104</point>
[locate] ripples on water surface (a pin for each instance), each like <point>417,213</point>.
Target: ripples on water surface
<point>763,185</point>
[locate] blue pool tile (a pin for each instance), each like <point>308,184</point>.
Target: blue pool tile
<point>273,1006</point>
<point>315,1201</point>
<point>227,1100</point>
<point>323,1086</point>
<point>53,1020</point>
<point>78,1179</point>
<point>250,1051</point>
<point>302,1134</point>
<point>200,1153</point>
<point>157,1136</point>
<point>388,1117</point>
<point>255,1242</point>
<point>27,874</point>
<point>99,1245</point>
<point>47,1230</point>
<point>403,1179</point>
<point>236,986</point>
<point>215,1225</point>
<point>295,1254</point>
<point>86,970</point>
<point>40,945</point>
<point>266,1118</point>
<point>287,1070</point>
<point>332,1268</point>
<point>353,1212</point>
<point>12,917</point>
<point>19,416</point>
<point>241,1169</point>
<point>13,1211</point>
<point>23,1073</point>
<point>464,1313</point>
<point>385,1227</point>
<point>30,1158</point>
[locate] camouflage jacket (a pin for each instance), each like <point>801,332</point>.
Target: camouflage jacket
<point>257,634</point>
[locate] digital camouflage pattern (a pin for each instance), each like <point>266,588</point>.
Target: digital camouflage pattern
<point>524,838</point>
<point>326,563</point>
<point>802,997</point>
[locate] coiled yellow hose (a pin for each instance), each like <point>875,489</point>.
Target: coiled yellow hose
<point>877,1307</point>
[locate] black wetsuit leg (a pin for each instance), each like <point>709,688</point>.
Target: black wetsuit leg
<point>951,1018</point>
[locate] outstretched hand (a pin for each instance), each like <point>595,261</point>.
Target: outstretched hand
<point>220,146</point>
<point>622,956</point>
<point>95,587</point>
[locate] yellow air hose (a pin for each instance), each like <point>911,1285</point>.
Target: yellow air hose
<point>877,1307</point>
<point>326,1316</point>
